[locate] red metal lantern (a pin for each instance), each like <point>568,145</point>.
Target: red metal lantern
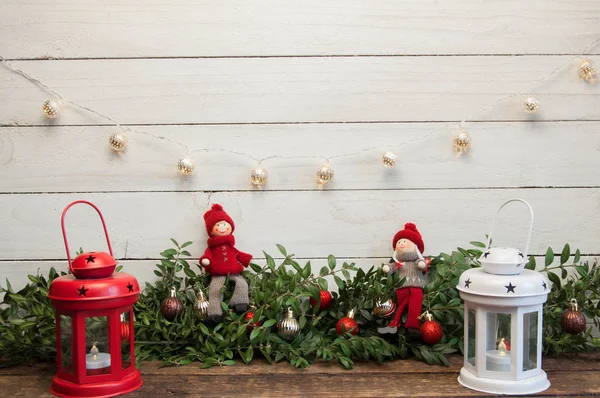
<point>94,325</point>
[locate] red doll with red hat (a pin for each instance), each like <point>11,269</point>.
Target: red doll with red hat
<point>409,264</point>
<point>222,259</point>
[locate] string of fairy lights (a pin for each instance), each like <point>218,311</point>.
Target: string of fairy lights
<point>461,138</point>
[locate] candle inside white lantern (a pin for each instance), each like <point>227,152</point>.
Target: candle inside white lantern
<point>498,360</point>
<point>96,359</point>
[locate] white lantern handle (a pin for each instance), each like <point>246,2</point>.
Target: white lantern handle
<point>530,224</point>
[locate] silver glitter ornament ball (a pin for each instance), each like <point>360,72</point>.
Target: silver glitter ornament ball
<point>462,141</point>
<point>531,104</point>
<point>384,309</point>
<point>201,306</point>
<point>288,328</point>
<point>117,142</point>
<point>587,70</point>
<point>258,176</point>
<point>51,109</point>
<point>389,159</point>
<point>186,166</point>
<point>324,173</point>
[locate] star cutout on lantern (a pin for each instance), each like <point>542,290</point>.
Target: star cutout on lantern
<point>545,286</point>
<point>467,283</point>
<point>510,288</point>
<point>90,259</point>
<point>521,255</point>
<point>130,287</point>
<point>82,291</point>
<point>486,254</point>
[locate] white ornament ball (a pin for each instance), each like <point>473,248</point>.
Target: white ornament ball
<point>587,70</point>
<point>324,173</point>
<point>531,104</point>
<point>51,109</point>
<point>389,159</point>
<point>462,141</point>
<point>117,142</point>
<point>186,166</point>
<point>258,176</point>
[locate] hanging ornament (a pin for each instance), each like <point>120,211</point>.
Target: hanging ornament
<point>186,166</point>
<point>258,176</point>
<point>347,324</point>
<point>431,331</point>
<point>572,320</point>
<point>124,327</point>
<point>117,142</point>
<point>324,173</point>
<point>51,109</point>
<point>531,104</point>
<point>462,141</point>
<point>587,70</point>
<point>251,325</point>
<point>201,306</point>
<point>384,309</point>
<point>288,328</point>
<point>389,159</point>
<point>171,306</point>
<point>326,299</point>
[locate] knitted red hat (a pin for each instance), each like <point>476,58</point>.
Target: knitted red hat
<point>411,233</point>
<point>214,215</point>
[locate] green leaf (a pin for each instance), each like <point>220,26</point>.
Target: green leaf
<point>323,284</point>
<point>269,323</point>
<point>478,244</point>
<point>174,242</point>
<point>549,257</point>
<point>531,263</point>
<point>186,244</point>
<point>554,279</point>
<point>577,256</point>
<point>282,250</point>
<point>339,282</point>
<point>331,262</point>
<point>566,253</point>
<point>324,271</point>
<point>229,362</point>
<point>254,334</point>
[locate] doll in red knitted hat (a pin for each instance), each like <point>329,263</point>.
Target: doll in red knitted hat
<point>409,263</point>
<point>222,259</point>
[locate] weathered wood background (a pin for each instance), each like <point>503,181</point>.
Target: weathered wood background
<point>310,79</point>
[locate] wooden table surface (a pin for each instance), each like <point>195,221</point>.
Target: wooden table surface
<point>570,375</point>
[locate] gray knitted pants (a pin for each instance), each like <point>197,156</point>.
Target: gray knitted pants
<point>239,298</point>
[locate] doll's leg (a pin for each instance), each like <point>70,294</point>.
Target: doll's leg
<point>415,304</point>
<point>402,296</point>
<point>239,300</point>
<point>215,312</point>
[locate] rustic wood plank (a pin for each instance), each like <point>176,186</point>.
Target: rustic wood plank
<point>284,27</point>
<point>310,224</point>
<point>264,90</point>
<point>35,159</point>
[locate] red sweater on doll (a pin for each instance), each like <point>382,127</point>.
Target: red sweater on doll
<point>224,257</point>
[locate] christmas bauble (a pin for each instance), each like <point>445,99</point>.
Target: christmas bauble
<point>531,104</point>
<point>347,324</point>
<point>201,307</point>
<point>325,173</point>
<point>186,166</point>
<point>384,309</point>
<point>117,142</point>
<point>587,70</point>
<point>251,325</point>
<point>431,331</point>
<point>389,159</point>
<point>326,299</point>
<point>258,176</point>
<point>51,109</point>
<point>171,306</point>
<point>462,141</point>
<point>572,320</point>
<point>288,328</point>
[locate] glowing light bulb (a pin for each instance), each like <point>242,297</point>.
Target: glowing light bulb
<point>502,347</point>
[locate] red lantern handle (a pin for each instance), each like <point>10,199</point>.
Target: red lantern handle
<point>62,223</point>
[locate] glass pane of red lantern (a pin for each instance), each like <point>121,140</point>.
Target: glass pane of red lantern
<point>66,335</point>
<point>124,326</point>
<point>97,359</point>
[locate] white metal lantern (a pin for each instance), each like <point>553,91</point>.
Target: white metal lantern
<point>503,321</point>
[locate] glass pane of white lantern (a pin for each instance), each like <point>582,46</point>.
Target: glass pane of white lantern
<point>498,342</point>
<point>471,351</point>
<point>530,340</point>
<point>66,334</point>
<point>97,359</point>
<point>125,346</point>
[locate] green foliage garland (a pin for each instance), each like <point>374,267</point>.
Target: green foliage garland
<point>27,326</point>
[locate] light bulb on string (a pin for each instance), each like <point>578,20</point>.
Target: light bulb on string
<point>531,104</point>
<point>389,159</point>
<point>186,166</point>
<point>462,141</point>
<point>258,176</point>
<point>324,173</point>
<point>117,141</point>
<point>51,109</point>
<point>587,70</point>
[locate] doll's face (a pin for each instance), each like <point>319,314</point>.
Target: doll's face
<point>405,246</point>
<point>222,228</point>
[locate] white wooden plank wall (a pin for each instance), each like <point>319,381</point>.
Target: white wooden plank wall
<point>311,79</point>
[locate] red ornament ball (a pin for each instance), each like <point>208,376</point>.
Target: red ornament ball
<point>326,299</point>
<point>347,324</point>
<point>251,325</point>
<point>431,331</point>
<point>572,320</point>
<point>124,331</point>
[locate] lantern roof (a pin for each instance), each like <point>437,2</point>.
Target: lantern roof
<point>503,260</point>
<point>117,285</point>
<point>479,282</point>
